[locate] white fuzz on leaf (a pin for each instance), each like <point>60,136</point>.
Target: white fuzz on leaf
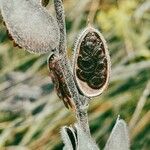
<point>119,138</point>
<point>77,139</point>
<point>69,138</point>
<point>84,141</point>
<point>30,25</point>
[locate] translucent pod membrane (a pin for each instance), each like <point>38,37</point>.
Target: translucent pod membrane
<point>91,63</point>
<point>30,25</point>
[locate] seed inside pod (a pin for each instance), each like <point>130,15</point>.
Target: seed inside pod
<point>45,2</point>
<point>91,63</point>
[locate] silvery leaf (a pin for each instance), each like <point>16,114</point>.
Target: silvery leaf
<point>84,141</point>
<point>69,138</point>
<point>119,139</point>
<point>30,25</point>
<point>76,139</point>
<point>37,1</point>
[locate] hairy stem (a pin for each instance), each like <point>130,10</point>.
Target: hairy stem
<point>80,101</point>
<point>82,118</point>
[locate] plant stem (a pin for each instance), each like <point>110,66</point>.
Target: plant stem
<point>82,119</point>
<point>80,101</point>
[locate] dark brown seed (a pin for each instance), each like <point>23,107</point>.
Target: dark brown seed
<point>45,2</point>
<point>80,75</point>
<point>96,82</point>
<point>99,68</point>
<point>84,51</point>
<point>84,76</point>
<point>86,64</point>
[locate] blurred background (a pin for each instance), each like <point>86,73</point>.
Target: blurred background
<point>31,114</point>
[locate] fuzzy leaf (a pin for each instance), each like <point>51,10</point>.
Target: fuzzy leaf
<point>84,141</point>
<point>30,25</point>
<point>119,139</point>
<point>77,139</point>
<point>69,138</point>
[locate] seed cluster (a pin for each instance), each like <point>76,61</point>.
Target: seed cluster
<point>91,61</point>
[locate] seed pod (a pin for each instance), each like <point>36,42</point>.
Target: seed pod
<point>30,25</point>
<point>91,66</point>
<point>62,89</point>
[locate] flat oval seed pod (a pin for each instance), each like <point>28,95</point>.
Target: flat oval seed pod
<point>61,87</point>
<point>30,25</point>
<point>91,66</point>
